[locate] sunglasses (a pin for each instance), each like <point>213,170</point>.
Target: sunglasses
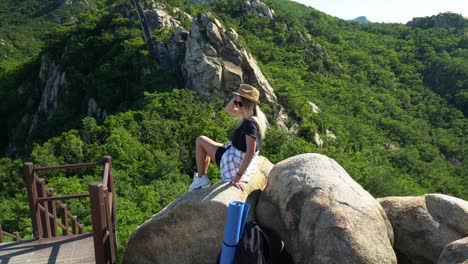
<point>238,103</point>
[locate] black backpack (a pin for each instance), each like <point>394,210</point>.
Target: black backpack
<point>253,247</point>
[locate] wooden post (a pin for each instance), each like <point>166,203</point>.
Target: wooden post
<point>64,214</point>
<point>110,188</point>
<point>17,238</point>
<point>99,222</point>
<point>110,184</point>
<point>30,181</point>
<point>53,211</point>
<point>74,220</point>
<point>1,234</point>
<point>110,228</point>
<point>42,192</point>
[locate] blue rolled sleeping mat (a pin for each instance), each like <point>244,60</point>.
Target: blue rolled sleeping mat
<point>237,213</point>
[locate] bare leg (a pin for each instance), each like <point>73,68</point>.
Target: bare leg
<point>205,150</point>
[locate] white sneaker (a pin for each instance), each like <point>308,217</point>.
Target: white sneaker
<point>199,182</point>
<point>194,181</point>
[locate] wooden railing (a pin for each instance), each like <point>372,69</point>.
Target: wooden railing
<point>104,216</point>
<point>15,235</point>
<point>43,206</point>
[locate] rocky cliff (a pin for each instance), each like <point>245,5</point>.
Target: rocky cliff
<point>207,57</point>
<point>51,93</point>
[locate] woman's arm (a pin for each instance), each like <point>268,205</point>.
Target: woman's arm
<point>251,146</point>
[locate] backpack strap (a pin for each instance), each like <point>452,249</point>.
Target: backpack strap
<point>267,241</point>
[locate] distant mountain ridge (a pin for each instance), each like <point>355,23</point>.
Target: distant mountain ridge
<point>361,20</point>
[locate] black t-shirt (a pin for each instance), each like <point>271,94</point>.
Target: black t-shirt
<point>248,127</point>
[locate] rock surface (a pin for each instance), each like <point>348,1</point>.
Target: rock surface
<point>314,107</point>
<point>257,8</point>
<point>190,229</point>
<point>424,225</point>
<point>154,16</point>
<point>208,59</point>
<point>455,253</point>
<point>442,20</point>
<point>317,140</point>
<point>215,65</point>
<point>95,110</point>
<point>52,79</point>
<point>45,98</point>
<point>322,215</point>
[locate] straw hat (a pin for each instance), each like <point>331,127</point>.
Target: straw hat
<point>248,92</point>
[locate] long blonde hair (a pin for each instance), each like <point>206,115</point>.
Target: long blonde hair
<point>251,109</point>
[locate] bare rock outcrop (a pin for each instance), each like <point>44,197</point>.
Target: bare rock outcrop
<point>424,225</point>
<point>190,229</point>
<point>257,8</point>
<point>208,58</point>
<point>322,215</point>
<point>157,16</point>
<point>95,110</point>
<point>447,20</point>
<point>154,16</point>
<point>52,79</point>
<point>315,109</point>
<point>317,140</point>
<point>215,65</point>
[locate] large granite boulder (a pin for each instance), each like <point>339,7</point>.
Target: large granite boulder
<point>190,229</point>
<point>455,253</point>
<point>424,225</point>
<point>322,215</point>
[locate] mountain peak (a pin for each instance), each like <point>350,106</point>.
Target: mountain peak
<point>361,20</point>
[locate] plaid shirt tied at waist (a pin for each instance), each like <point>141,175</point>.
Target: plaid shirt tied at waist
<point>231,162</point>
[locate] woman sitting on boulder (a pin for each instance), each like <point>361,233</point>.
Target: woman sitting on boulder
<point>238,158</point>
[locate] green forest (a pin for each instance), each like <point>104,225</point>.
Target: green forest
<point>395,96</point>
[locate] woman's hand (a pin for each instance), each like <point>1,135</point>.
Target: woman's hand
<point>238,183</point>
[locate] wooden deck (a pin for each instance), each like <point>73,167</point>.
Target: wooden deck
<point>70,249</point>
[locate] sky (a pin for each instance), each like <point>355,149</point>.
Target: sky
<point>388,11</point>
